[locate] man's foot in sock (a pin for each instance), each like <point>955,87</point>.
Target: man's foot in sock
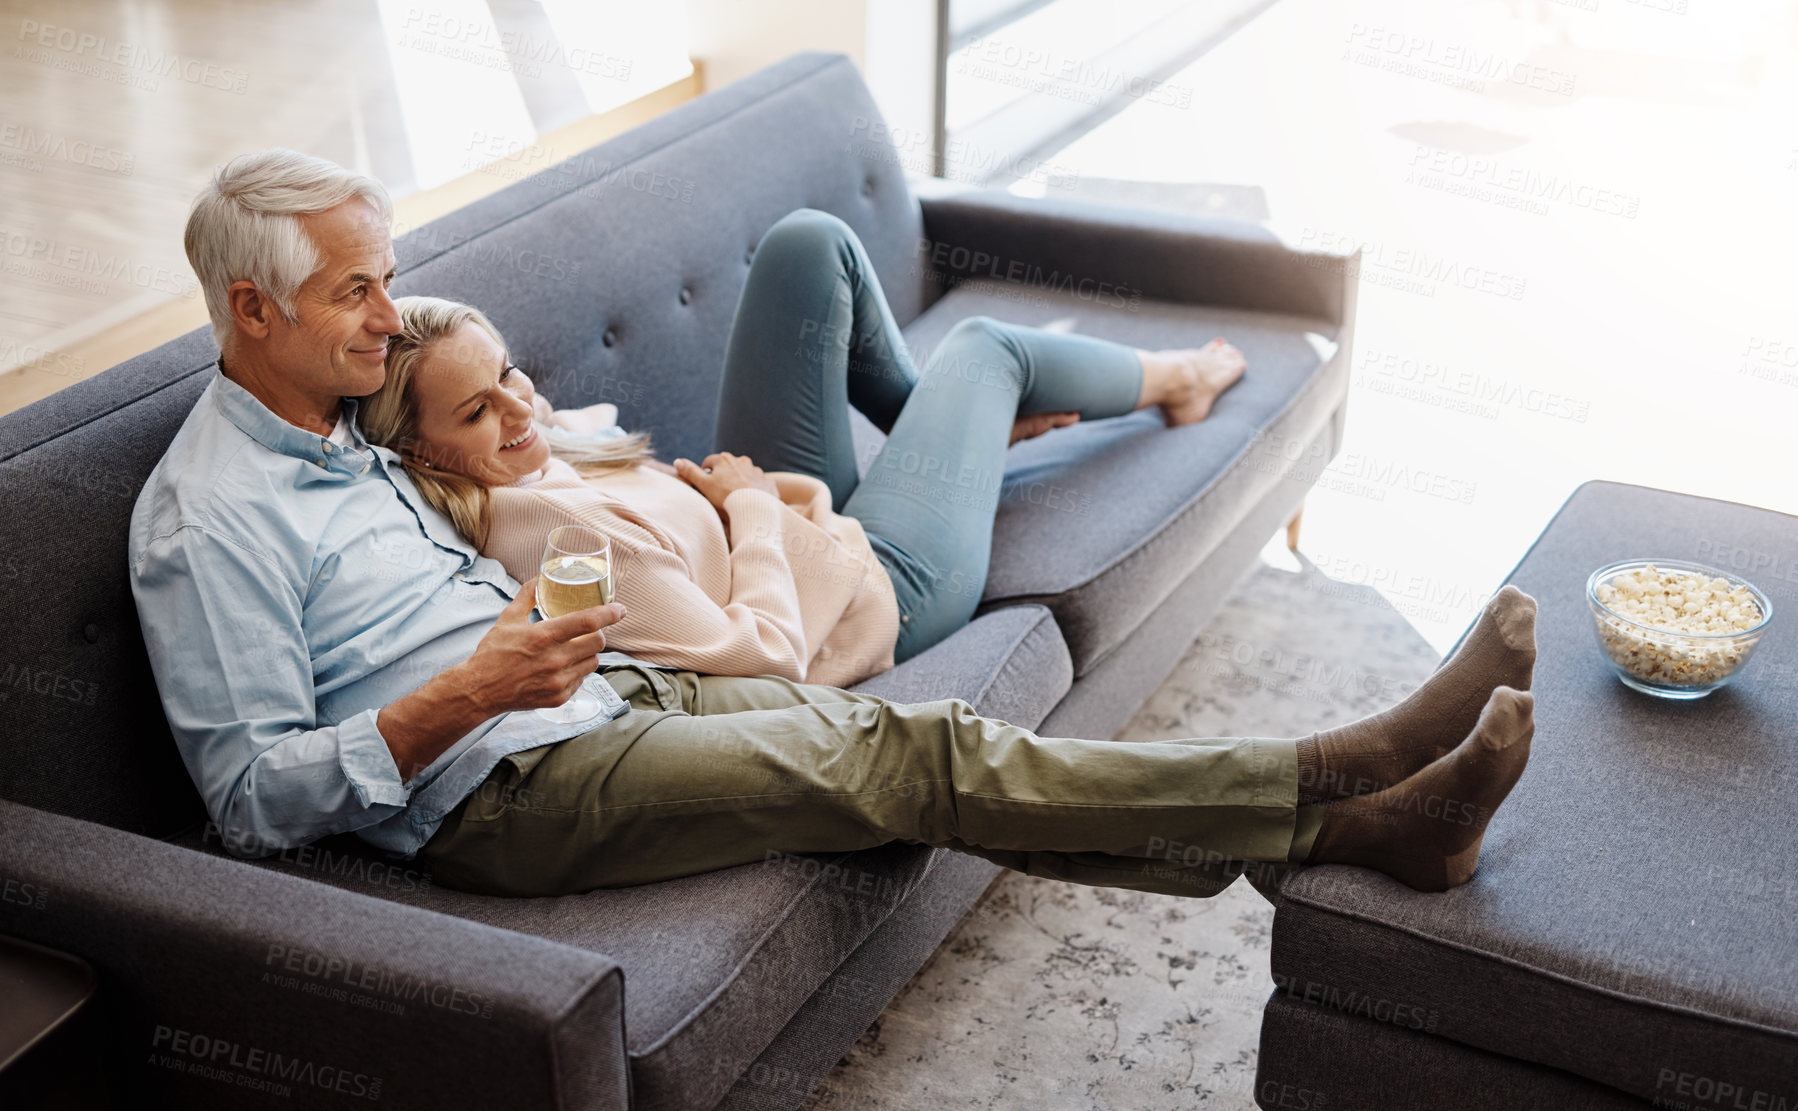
<point>1426,832</point>
<point>1378,751</point>
<point>1187,381</point>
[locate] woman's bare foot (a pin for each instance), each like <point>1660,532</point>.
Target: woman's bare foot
<point>1187,381</point>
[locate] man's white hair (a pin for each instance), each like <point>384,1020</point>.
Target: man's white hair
<point>244,226</point>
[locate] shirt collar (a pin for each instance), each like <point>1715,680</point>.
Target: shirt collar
<point>257,421</point>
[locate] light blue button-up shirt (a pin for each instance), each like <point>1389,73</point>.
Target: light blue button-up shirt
<point>288,588</point>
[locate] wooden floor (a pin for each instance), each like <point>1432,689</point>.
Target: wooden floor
<point>118,110</point>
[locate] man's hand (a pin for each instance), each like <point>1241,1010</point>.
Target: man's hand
<point>1029,428</point>
<point>517,666</point>
<point>523,666</point>
<point>722,475</point>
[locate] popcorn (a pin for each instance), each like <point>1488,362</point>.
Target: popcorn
<point>1676,605</point>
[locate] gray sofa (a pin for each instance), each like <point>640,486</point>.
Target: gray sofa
<point>614,277</point>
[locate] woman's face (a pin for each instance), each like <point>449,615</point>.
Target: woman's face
<point>474,410</point>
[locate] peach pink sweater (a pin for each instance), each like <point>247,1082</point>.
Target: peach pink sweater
<point>790,589</point>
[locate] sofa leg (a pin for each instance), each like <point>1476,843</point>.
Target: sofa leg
<point>1292,529</point>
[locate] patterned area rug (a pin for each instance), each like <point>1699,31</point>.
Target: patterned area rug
<point>1054,995</point>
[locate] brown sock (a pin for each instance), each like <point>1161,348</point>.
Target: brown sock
<point>1426,831</point>
<point>1378,751</point>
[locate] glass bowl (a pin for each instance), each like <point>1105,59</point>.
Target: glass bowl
<point>1669,664</point>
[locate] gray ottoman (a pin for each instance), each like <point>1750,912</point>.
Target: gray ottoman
<point>1632,932</point>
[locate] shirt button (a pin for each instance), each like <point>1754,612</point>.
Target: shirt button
<point>327,446</point>
<point>364,469</point>
<point>905,617</point>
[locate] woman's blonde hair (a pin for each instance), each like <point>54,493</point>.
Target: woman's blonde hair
<point>389,417</point>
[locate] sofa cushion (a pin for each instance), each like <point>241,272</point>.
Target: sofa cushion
<point>1632,917</point>
<point>715,964</point>
<point>81,727</point>
<point>1010,664</point>
<point>1065,537</point>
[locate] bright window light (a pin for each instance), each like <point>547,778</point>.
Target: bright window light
<point>452,83</point>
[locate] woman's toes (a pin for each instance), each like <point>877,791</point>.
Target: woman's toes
<point>1218,368</point>
<point>1205,372</point>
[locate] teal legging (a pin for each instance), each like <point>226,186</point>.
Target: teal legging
<point>813,335</point>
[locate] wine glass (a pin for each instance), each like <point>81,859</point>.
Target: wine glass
<point>576,575</point>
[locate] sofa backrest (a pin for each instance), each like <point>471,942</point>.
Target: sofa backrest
<point>614,278</point>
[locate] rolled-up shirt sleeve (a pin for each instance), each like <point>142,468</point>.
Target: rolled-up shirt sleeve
<point>223,626</point>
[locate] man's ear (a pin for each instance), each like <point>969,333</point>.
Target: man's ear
<point>250,310</point>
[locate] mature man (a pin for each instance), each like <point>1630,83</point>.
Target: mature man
<point>333,657</point>
<point>331,654</point>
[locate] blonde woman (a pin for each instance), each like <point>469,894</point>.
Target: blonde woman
<point>803,570</point>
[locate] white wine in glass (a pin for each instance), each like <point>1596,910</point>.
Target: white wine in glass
<point>576,575</point>
<point>572,583</point>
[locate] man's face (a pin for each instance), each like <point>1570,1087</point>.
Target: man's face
<point>338,346</point>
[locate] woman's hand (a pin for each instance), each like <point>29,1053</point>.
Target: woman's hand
<point>1029,428</point>
<point>722,475</point>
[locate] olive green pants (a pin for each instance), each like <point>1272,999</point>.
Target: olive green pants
<point>707,772</point>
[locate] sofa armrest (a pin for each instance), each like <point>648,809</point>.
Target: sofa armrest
<point>1114,250</point>
<point>221,979</point>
